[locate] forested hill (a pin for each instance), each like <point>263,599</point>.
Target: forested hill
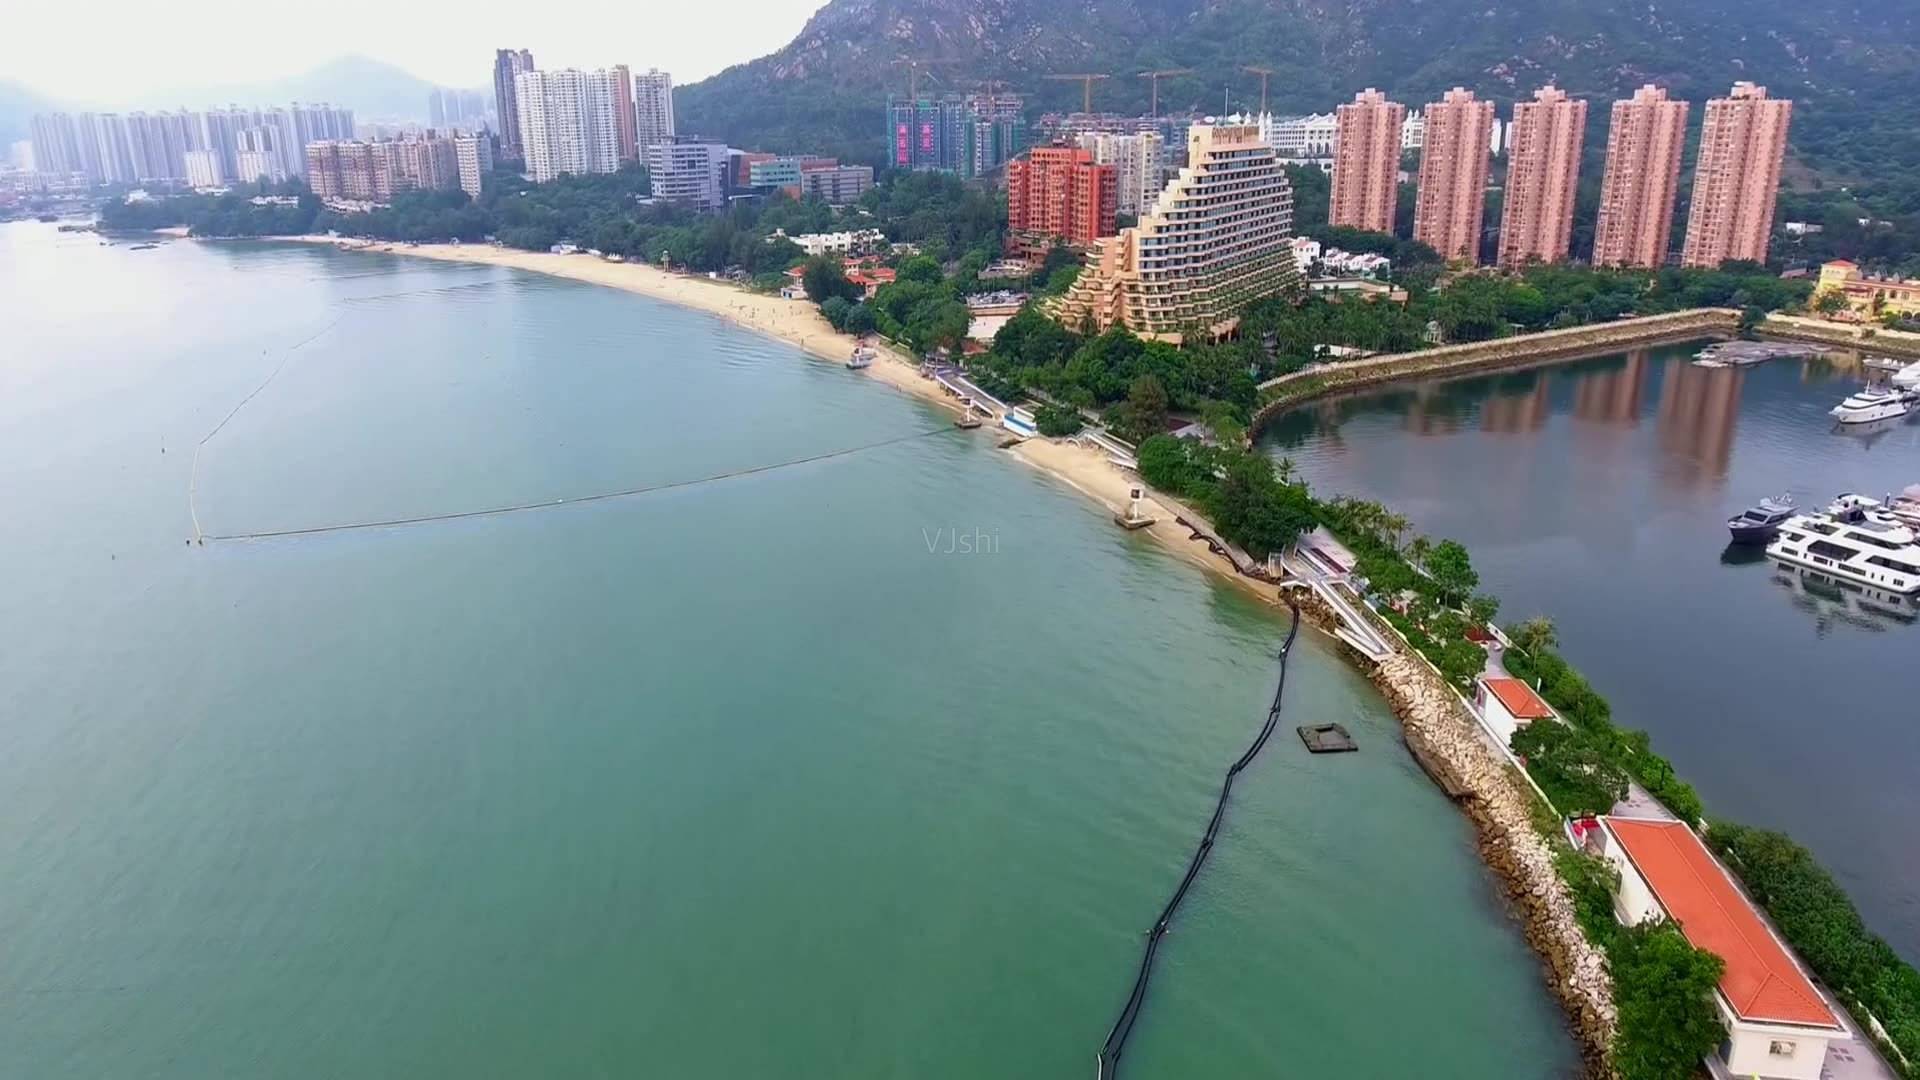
<point>1854,67</point>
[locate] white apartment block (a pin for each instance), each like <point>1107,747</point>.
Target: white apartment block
<point>255,166</point>
<point>473,157</point>
<point>205,169</point>
<point>652,108</point>
<point>567,122</point>
<point>1301,136</point>
<point>1139,162</point>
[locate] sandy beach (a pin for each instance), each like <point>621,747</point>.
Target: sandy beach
<point>1084,468</point>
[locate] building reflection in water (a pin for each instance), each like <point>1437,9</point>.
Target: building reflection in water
<point>1613,397</point>
<point>1509,413</point>
<point>1699,409</point>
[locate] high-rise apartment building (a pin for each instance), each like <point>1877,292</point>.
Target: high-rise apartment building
<point>56,144</point>
<point>1737,179</point>
<point>967,136</point>
<point>567,123</point>
<point>1543,177</point>
<point>143,147</point>
<point>1058,195</point>
<point>690,170</point>
<point>1366,162</point>
<point>652,109</point>
<point>473,158</point>
<point>204,169</point>
<point>1452,199</point>
<point>625,135</point>
<point>323,169</point>
<point>1218,238</point>
<point>1139,165</point>
<point>508,66</point>
<point>1645,142</point>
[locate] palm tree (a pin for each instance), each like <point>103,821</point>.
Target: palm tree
<point>1534,634</point>
<point>1395,526</point>
<point>1418,549</point>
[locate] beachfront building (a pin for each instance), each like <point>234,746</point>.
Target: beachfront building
<point>1452,199</point>
<point>1366,162</point>
<point>1737,179</point>
<point>1645,142</point>
<point>687,169</point>
<point>1869,297</point>
<point>1778,1025</point>
<point>1218,238</point>
<point>1543,177</point>
<point>1058,195</point>
<point>1507,704</point>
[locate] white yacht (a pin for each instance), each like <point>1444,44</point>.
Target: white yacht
<point>1907,378</point>
<point>1855,539</point>
<point>1875,403</point>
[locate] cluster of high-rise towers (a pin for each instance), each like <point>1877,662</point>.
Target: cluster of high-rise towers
<point>1730,216</point>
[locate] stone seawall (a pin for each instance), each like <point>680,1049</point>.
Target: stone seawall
<point>1446,743</point>
<point>1297,387</point>
<point>1867,339</point>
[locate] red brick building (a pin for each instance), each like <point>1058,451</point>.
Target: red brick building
<point>1058,194</point>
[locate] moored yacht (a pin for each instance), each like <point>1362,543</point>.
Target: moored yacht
<point>1875,403</point>
<point>1855,539</point>
<point>1757,523</point>
<point>1907,378</point>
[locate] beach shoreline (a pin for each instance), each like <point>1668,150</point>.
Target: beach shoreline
<point>798,322</point>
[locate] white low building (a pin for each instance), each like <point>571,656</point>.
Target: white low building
<point>836,243</point>
<point>1508,705</point>
<point>1778,1025</point>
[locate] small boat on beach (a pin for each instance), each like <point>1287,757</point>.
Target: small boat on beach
<point>862,357</point>
<point>1758,523</point>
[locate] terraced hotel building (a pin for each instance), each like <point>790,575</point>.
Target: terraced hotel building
<point>1218,239</point>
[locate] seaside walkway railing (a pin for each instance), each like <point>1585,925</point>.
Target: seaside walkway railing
<point>1107,1062</point>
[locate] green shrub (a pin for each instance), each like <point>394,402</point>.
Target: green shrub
<point>1055,421</point>
<point>1821,923</point>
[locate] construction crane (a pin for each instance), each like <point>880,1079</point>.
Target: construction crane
<point>1156,76</point>
<point>1086,81</point>
<point>994,86</point>
<point>1265,74</point>
<point>913,72</point>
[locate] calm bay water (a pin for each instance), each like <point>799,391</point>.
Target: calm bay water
<point>728,780</point>
<point>1597,492</point>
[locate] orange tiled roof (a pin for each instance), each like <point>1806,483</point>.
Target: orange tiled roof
<point>1761,981</point>
<point>1519,699</point>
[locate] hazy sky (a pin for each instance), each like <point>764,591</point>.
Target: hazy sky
<point>117,51</point>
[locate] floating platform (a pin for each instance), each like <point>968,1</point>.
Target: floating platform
<point>1743,353</point>
<point>1132,523</point>
<point>1327,739</point>
<point>967,422</point>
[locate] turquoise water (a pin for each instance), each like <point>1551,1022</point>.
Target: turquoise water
<point>735,779</point>
<point>1598,492</point>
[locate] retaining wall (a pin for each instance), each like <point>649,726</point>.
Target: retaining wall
<point>1484,355</point>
